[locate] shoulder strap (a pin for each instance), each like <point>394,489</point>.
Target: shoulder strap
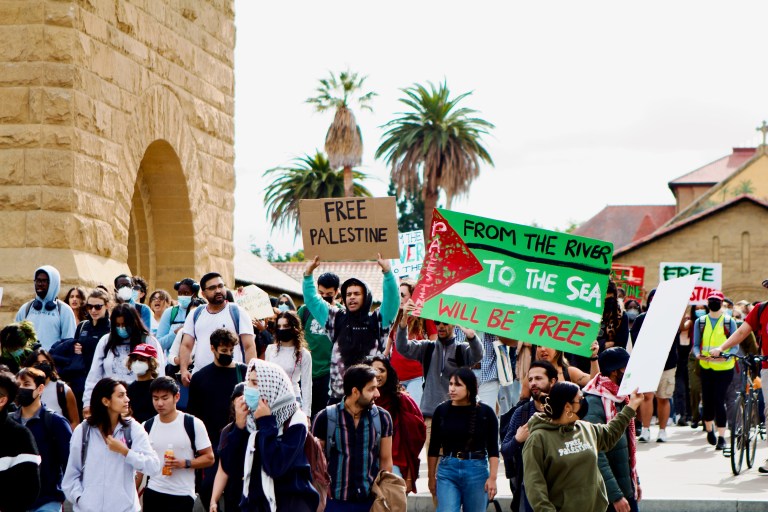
<point>86,437</point>
<point>304,316</point>
<point>376,418</point>
<point>127,434</point>
<point>29,306</point>
<point>332,415</point>
<point>239,372</point>
<point>459,355</point>
<point>189,426</point>
<point>427,359</point>
<point>195,316</point>
<point>148,424</point>
<point>727,326</point>
<point>61,397</point>
<point>174,313</point>
<point>79,329</point>
<point>234,312</point>
<point>702,325</point>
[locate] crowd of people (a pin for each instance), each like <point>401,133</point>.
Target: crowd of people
<point>111,404</point>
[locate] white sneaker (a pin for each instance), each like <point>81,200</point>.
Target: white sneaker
<point>662,437</point>
<point>645,435</point>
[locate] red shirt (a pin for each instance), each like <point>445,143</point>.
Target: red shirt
<point>408,369</point>
<point>759,327</point>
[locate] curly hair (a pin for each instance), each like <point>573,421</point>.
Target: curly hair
<point>298,332</point>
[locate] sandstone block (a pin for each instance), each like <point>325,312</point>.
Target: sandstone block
<point>58,75</point>
<point>58,43</point>
<point>58,199</point>
<point>19,136</point>
<point>21,13</point>
<point>19,198</point>
<point>12,166</point>
<point>61,14</point>
<point>57,105</point>
<point>21,43</point>
<point>20,73</point>
<point>13,225</point>
<point>14,105</point>
<point>57,136</point>
<point>49,167</point>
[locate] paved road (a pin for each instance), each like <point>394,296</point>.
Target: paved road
<point>684,474</point>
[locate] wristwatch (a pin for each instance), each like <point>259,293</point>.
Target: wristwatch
<point>187,463</point>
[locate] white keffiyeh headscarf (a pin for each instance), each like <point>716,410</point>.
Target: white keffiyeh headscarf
<point>275,387</point>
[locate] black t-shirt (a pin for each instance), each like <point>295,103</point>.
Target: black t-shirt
<point>141,400</point>
<point>452,430</point>
<point>209,396</point>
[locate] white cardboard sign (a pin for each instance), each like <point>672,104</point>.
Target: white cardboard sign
<point>710,278</point>
<point>411,255</point>
<point>255,302</point>
<point>651,348</point>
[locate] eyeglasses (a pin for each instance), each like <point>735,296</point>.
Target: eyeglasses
<point>215,287</point>
<point>97,307</point>
<point>441,323</point>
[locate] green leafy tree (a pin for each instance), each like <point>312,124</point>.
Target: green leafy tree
<point>309,177</point>
<point>744,187</point>
<point>410,209</point>
<point>435,146</point>
<point>343,142</point>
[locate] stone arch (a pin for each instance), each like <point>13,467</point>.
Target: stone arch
<point>161,175</point>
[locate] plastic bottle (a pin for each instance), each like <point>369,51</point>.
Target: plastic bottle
<point>168,470</point>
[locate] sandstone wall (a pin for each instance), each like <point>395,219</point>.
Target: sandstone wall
<point>86,87</point>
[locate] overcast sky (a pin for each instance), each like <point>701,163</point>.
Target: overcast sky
<point>594,103</point>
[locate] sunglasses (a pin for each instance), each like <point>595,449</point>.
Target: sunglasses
<point>97,307</point>
<point>441,323</point>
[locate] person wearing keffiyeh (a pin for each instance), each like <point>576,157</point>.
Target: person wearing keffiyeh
<point>268,443</point>
<point>618,465</point>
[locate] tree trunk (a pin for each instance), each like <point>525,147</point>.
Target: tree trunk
<point>430,202</point>
<point>349,187</point>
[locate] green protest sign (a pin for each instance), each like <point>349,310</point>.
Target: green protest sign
<point>515,281</point>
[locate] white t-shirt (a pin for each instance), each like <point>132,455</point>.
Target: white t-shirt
<point>182,481</point>
<point>206,324</point>
<point>51,398</point>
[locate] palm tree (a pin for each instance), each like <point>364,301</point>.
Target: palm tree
<point>309,177</point>
<point>435,146</point>
<point>343,142</point>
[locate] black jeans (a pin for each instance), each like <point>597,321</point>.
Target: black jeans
<point>714,385</point>
<point>160,502</point>
<point>321,389</point>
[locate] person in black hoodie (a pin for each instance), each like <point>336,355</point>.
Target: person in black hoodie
<point>19,457</point>
<point>355,331</point>
<point>87,336</point>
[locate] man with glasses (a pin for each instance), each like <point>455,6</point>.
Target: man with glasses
<point>53,319</point>
<point>438,358</point>
<point>217,314</point>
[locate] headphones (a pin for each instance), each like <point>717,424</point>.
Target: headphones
<point>38,305</point>
<point>189,282</point>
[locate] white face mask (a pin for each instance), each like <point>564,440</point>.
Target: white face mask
<point>125,293</point>
<point>140,367</point>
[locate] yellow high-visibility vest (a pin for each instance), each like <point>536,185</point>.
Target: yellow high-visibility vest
<point>713,337</point>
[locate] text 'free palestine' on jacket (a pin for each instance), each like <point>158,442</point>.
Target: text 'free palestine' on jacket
<point>560,467</point>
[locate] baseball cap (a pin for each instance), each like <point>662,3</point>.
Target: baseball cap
<point>145,350</point>
<point>716,295</point>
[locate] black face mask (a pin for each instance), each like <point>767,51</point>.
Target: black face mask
<point>284,334</point>
<point>224,359</point>
<point>45,368</point>
<point>328,299</point>
<point>583,409</point>
<point>714,305</point>
<point>25,397</point>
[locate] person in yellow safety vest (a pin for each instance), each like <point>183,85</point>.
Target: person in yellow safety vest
<point>709,333</point>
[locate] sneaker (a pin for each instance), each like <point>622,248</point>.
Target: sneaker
<point>694,424</point>
<point>764,468</point>
<point>662,437</point>
<point>681,422</point>
<point>645,435</point>
<point>720,443</point>
<point>711,439</point>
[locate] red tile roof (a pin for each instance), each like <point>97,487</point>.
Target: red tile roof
<point>618,250</point>
<point>620,224</point>
<point>367,271</point>
<point>716,171</point>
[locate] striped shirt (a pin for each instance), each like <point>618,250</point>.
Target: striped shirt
<point>354,464</point>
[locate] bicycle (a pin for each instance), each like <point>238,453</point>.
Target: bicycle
<point>745,429</point>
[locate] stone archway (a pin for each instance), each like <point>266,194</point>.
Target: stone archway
<point>161,242</point>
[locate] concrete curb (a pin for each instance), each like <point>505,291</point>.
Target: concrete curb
<point>423,503</point>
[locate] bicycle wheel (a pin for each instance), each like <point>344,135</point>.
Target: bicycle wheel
<point>752,428</point>
<point>737,436</point>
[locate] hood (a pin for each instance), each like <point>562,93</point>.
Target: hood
<point>540,422</point>
<point>55,282</point>
<point>368,302</point>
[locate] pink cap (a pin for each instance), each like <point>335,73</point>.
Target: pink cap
<point>144,350</point>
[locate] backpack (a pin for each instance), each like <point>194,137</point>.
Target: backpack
<point>427,359</point>
<point>318,464</point>
<point>61,398</point>
<point>510,466</point>
<point>332,413</point>
<point>234,312</point>
<point>726,325</point>
<point>87,437</point>
<point>189,428</point>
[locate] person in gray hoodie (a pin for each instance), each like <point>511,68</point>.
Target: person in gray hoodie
<point>53,319</point>
<point>438,358</point>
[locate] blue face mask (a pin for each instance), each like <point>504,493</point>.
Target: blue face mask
<point>184,301</point>
<point>17,353</point>
<point>134,295</point>
<point>252,396</point>
<point>700,313</point>
<point>283,307</point>
<point>123,332</point>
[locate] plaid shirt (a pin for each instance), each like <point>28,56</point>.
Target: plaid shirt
<point>488,370</point>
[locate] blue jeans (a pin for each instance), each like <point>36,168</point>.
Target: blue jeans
<point>51,506</point>
<point>413,387</point>
<point>461,485</point>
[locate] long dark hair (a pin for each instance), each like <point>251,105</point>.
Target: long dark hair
<point>31,362</point>
<point>560,394</point>
<point>133,322</point>
<point>99,417</point>
<point>416,326</point>
<point>298,333</point>
<point>391,386</point>
<point>469,379</point>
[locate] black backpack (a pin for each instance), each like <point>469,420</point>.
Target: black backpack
<point>189,428</point>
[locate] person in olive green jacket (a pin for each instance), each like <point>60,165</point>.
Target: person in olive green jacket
<point>619,464</point>
<point>560,457</point>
